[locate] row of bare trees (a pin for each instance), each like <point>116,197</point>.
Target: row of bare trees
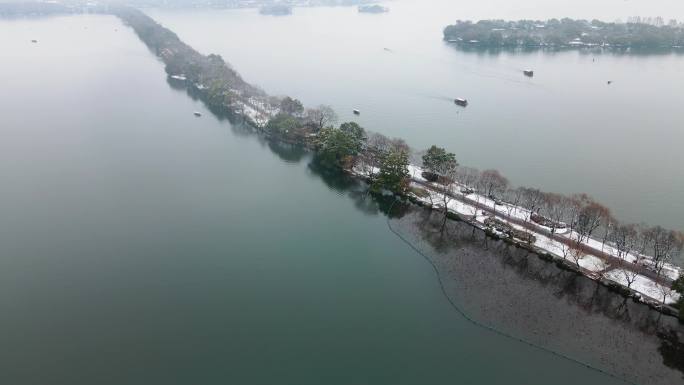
<point>582,219</point>
<point>579,215</point>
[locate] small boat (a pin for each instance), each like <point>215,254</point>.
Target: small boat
<point>610,82</point>
<point>197,113</point>
<point>357,112</point>
<point>461,102</point>
<point>34,41</point>
<point>528,73</point>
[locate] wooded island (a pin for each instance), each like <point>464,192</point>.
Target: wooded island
<point>637,33</point>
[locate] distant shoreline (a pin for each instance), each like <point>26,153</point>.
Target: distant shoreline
<point>554,34</point>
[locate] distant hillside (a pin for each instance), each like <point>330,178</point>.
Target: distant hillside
<point>565,33</point>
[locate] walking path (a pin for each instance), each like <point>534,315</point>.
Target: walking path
<point>610,266</point>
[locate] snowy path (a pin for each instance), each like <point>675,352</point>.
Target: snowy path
<point>598,259</point>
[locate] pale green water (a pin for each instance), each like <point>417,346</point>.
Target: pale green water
<point>142,245</point>
<point>564,130</point>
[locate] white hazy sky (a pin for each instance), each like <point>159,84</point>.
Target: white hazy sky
<point>608,10</point>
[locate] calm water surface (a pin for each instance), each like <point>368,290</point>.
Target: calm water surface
<point>564,130</point>
<point>142,245</point>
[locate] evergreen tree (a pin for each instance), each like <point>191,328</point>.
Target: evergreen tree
<point>394,175</point>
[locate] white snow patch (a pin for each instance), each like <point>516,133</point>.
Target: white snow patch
<point>590,262</point>
<point>507,210</point>
<point>644,286</point>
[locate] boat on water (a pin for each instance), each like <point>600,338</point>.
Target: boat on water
<point>461,102</point>
<point>34,41</point>
<point>197,113</point>
<point>180,77</point>
<point>528,73</point>
<point>357,112</point>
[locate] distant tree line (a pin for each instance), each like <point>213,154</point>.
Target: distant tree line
<point>33,9</point>
<point>567,33</point>
<point>220,85</point>
<point>579,215</point>
<point>276,9</point>
<point>375,8</point>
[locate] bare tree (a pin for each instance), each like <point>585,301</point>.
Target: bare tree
<point>608,225</point>
<point>547,203</point>
<point>368,164</point>
<point>644,240</point>
<point>666,245</point>
<point>376,147</point>
<point>321,116</point>
<point>480,187</point>
<point>555,207</point>
<point>468,176</point>
<point>380,143</point>
<point>576,202</point>
<point>592,216</point>
<point>532,200</point>
<point>513,198</point>
<point>626,238</point>
<point>679,245</point>
<point>493,183</point>
<point>573,250</point>
<point>447,180</point>
<point>664,292</point>
<point>399,145</point>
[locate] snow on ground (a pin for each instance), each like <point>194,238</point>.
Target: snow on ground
<point>510,211</point>
<point>548,244</point>
<point>504,209</point>
<point>255,115</point>
<point>454,205</point>
<point>644,286</point>
<point>416,173</point>
<point>609,249</point>
<point>672,272</point>
<point>592,263</point>
<point>437,199</point>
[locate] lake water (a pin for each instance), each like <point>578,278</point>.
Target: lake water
<point>142,245</point>
<point>565,130</point>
